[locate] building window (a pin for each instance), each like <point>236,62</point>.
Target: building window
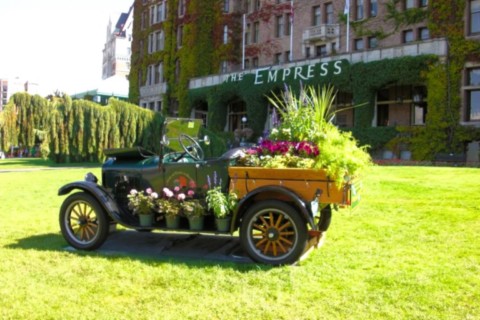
<point>423,34</point>
<point>279,26</point>
<point>321,50</point>
<point>359,10</point>
<point>316,16</point>
<point>407,36</point>
<point>152,15</point>
<point>151,43</point>
<point>181,7</point>
<point>247,63</point>
<point>373,8</point>
<point>236,112</point>
<point>151,75</point>
<point>159,41</point>
<point>287,56</point>
<point>278,58</point>
<point>473,94</point>
<point>329,13</point>
<point>248,6</point>
<point>226,6</point>
<point>372,42</point>
<point>255,62</point>
<point>224,67</point>
<point>307,52</point>
<point>180,36</point>
<point>423,3</point>
<point>160,12</point>
<point>256,32</point>
<point>334,47</point>
<point>475,16</point>
<point>257,5</point>
<point>409,4</point>
<point>247,34</point>
<point>359,44</point>
<point>289,24</point>
<point>159,73</point>
<point>143,22</point>
<point>225,34</point>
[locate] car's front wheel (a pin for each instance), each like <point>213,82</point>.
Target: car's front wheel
<point>83,221</point>
<point>273,232</point>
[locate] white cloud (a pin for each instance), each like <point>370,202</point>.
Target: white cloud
<point>57,44</point>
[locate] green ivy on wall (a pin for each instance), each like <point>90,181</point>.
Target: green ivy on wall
<point>361,79</point>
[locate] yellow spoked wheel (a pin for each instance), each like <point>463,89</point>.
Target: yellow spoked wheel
<point>273,232</point>
<point>83,222</point>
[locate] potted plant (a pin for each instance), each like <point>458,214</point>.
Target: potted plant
<point>222,205</point>
<point>142,203</point>
<point>170,206</point>
<point>194,211</point>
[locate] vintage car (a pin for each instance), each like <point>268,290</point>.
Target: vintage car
<point>280,214</point>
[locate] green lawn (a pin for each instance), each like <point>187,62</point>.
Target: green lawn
<point>409,251</point>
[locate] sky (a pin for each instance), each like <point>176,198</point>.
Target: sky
<point>56,43</point>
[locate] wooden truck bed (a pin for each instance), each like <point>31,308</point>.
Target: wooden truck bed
<point>304,182</point>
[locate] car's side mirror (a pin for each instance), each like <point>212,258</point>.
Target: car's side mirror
<point>206,140</point>
<point>165,140</point>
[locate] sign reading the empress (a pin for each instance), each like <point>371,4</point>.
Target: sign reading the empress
<point>303,72</point>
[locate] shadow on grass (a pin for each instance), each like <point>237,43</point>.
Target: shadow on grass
<point>195,250</point>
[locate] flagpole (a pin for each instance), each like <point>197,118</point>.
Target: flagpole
<point>347,12</point>
<point>291,30</point>
<point>243,42</point>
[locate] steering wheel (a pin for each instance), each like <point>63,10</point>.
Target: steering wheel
<point>191,147</point>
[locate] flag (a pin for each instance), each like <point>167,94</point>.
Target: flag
<point>347,7</point>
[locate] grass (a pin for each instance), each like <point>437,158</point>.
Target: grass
<point>409,251</point>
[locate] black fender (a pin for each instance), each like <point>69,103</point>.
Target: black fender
<point>298,203</point>
<point>98,192</point>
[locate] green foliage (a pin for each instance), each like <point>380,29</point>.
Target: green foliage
<point>306,118</point>
<point>76,131</point>
<point>222,204</point>
<point>374,138</point>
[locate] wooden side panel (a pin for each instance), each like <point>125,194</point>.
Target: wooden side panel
<point>304,182</point>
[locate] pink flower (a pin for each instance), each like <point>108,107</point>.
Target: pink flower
<point>133,192</point>
<point>191,193</point>
<point>149,190</point>
<point>192,184</point>
<point>168,193</point>
<point>181,197</point>
<point>176,189</point>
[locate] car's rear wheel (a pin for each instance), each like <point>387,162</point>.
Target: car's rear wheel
<point>83,222</point>
<point>273,232</point>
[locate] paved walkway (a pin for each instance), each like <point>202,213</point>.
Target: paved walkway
<point>175,245</point>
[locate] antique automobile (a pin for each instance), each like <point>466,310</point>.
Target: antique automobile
<point>280,213</point>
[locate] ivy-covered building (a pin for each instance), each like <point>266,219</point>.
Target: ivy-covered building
<point>407,72</point>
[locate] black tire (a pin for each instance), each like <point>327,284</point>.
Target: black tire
<point>272,232</point>
<point>83,221</point>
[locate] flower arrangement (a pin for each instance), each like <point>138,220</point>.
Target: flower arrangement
<point>141,202</point>
<point>170,203</point>
<point>305,137</point>
<point>178,201</point>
